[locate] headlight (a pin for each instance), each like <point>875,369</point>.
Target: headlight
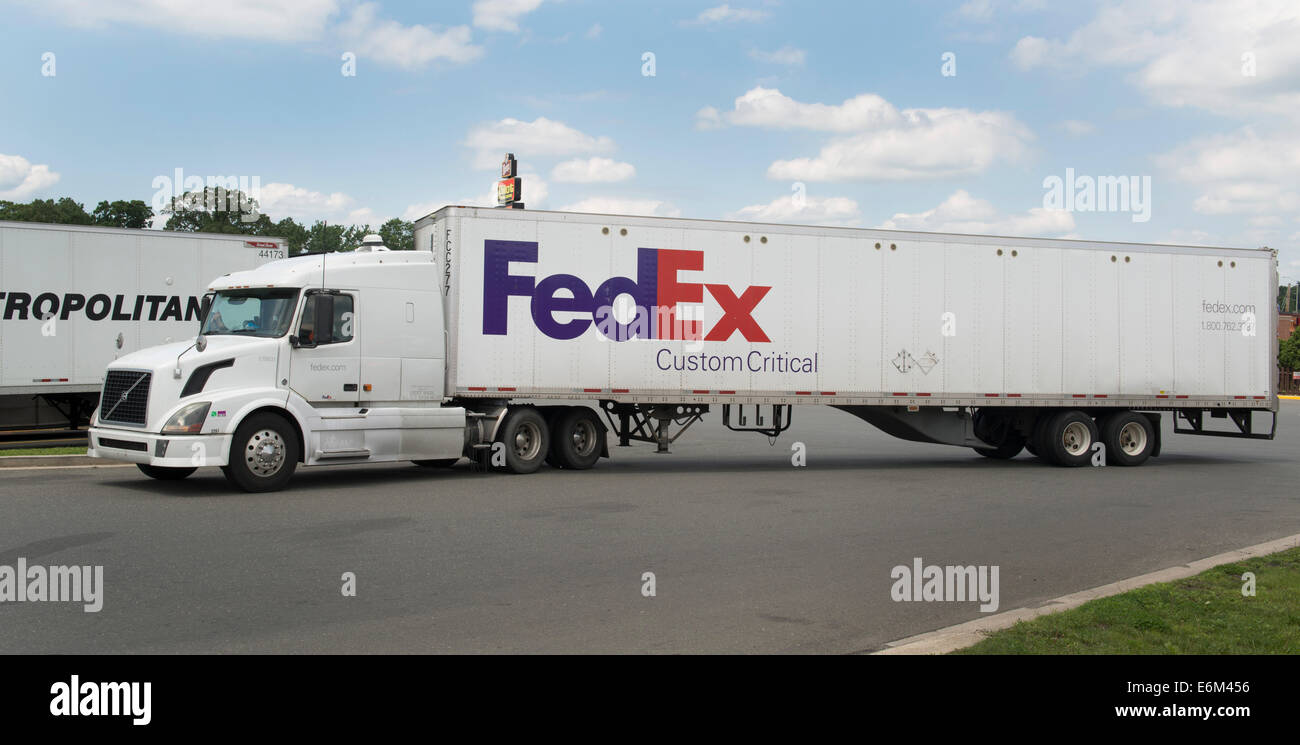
<point>188,421</point>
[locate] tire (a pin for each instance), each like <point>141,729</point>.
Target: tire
<point>263,454</point>
<point>576,437</point>
<point>1037,438</point>
<point>1068,438</point>
<point>437,462</point>
<point>1009,448</point>
<point>165,473</point>
<point>526,438</point>
<point>1129,437</point>
<point>998,430</point>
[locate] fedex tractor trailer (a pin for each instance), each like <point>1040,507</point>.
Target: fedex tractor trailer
<point>74,298</point>
<point>490,338</point>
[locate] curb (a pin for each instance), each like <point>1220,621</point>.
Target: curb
<point>942,641</point>
<point>51,461</point>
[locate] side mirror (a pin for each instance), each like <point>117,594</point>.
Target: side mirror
<point>324,328</point>
<point>204,307</point>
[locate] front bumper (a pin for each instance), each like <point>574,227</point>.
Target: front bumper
<point>151,448</point>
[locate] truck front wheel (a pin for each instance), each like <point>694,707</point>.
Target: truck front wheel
<point>164,473</point>
<point>263,454</point>
<point>525,440</point>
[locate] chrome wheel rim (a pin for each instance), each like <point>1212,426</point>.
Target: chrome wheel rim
<point>1076,438</point>
<point>264,453</point>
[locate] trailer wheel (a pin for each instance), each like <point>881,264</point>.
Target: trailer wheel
<point>263,454</point>
<point>164,473</point>
<point>1038,438</point>
<point>1129,438</point>
<point>1068,438</point>
<point>575,439</point>
<point>526,439</point>
<point>437,462</point>
<point>998,430</point>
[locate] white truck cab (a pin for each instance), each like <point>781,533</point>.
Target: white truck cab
<point>320,359</point>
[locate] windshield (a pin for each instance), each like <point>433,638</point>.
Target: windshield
<point>251,312</point>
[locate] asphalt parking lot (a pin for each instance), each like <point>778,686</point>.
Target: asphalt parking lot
<point>749,554</point>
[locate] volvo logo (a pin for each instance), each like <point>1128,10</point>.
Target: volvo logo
<point>124,395</point>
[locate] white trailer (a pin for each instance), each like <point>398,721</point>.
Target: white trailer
<point>481,342</point>
<point>74,298</point>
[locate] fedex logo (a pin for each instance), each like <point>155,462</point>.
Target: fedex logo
<point>657,291</point>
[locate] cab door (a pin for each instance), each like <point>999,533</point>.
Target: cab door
<point>326,365</point>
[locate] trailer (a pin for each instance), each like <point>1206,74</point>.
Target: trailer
<point>73,298</point>
<point>488,340</point>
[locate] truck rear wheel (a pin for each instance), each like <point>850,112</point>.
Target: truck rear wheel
<point>526,440</point>
<point>999,430</point>
<point>575,439</point>
<point>1068,438</point>
<point>1129,438</point>
<point>164,473</point>
<point>263,454</point>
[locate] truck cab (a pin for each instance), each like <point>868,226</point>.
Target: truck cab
<point>335,358</point>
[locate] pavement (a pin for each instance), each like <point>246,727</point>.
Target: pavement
<point>749,553</point>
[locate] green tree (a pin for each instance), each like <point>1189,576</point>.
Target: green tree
<point>217,210</point>
<point>123,214</point>
<point>65,212</point>
<point>1288,352</point>
<point>322,237</point>
<point>398,234</point>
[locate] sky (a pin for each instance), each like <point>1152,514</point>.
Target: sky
<point>985,116</point>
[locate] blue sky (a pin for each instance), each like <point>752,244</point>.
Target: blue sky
<point>806,112</point>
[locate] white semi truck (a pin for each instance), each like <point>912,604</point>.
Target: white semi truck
<point>73,298</point>
<point>488,340</point>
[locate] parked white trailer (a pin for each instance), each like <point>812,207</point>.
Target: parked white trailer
<point>481,341</point>
<point>74,298</point>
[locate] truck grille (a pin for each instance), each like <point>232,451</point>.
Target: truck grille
<point>126,397</point>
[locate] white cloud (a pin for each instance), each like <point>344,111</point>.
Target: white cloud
<point>1240,173</point>
<point>409,47</point>
<point>619,206</point>
<point>808,211</point>
<point>20,180</point>
<point>595,31</point>
<point>768,107</point>
<point>1078,128</point>
<point>541,136</point>
<point>962,213</point>
<point>279,200</point>
<point>880,142</point>
<point>288,20</point>
<point>786,55</point>
<point>592,170</point>
<point>727,14</point>
<point>502,15</point>
<point>1189,53</point>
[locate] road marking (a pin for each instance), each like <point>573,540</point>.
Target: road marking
<point>963,635</point>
